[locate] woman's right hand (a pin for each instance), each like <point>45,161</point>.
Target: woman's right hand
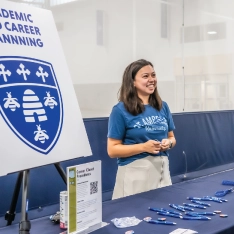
<point>152,146</point>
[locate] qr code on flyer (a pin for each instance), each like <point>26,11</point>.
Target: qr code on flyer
<point>94,187</point>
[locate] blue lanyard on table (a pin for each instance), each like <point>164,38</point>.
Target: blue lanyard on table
<point>176,207</point>
<point>195,206</point>
<point>196,218</point>
<point>169,214</point>
<point>228,182</point>
<point>164,210</point>
<point>199,198</point>
<point>149,220</point>
<point>200,203</point>
<point>217,199</point>
<point>199,213</point>
<point>222,193</point>
<point>186,208</point>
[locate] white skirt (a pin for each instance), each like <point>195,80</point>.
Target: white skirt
<point>142,175</point>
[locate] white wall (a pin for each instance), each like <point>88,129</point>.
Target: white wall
<point>132,30</point>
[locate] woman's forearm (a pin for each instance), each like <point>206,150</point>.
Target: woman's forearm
<point>124,151</point>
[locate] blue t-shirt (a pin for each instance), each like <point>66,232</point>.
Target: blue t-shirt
<point>149,125</point>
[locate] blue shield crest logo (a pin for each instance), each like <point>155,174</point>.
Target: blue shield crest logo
<point>31,102</point>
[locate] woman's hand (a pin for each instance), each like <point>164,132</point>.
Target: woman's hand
<point>165,144</point>
<point>152,146</point>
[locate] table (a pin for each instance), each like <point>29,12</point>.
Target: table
<point>137,205</point>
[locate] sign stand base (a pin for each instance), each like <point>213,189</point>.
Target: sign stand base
<point>10,215</point>
<point>24,225</point>
<point>23,178</point>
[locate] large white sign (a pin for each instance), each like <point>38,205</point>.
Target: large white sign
<point>40,119</point>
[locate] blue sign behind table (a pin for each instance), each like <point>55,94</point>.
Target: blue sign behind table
<point>31,102</point>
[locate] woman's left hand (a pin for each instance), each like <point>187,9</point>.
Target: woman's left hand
<point>165,144</point>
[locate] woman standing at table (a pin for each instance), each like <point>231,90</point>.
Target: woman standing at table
<point>140,133</point>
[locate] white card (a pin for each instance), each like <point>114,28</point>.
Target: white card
<point>183,231</point>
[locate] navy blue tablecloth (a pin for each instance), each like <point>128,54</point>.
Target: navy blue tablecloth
<point>137,205</point>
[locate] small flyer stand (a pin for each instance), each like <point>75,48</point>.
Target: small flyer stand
<point>84,198</point>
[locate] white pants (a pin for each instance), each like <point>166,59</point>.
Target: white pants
<point>142,175</point>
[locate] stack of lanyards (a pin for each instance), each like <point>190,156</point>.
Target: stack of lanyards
<point>176,214</point>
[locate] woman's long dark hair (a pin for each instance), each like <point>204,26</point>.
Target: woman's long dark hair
<point>128,94</point>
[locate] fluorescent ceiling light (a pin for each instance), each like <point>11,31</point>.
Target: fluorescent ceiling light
<point>212,32</point>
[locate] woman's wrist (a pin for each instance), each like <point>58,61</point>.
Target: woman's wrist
<point>170,144</point>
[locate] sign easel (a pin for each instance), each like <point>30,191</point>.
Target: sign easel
<point>24,225</point>
<point>40,120</point>
<point>10,214</point>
